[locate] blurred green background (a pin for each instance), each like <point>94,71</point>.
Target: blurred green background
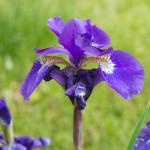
<point>108,120</point>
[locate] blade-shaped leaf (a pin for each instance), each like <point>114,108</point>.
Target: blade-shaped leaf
<point>138,127</point>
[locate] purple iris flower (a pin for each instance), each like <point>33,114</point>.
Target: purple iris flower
<point>84,43</point>
<point>143,140</point>
<point>7,142</point>
<point>24,143</point>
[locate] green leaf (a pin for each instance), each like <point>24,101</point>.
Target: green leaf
<point>138,127</point>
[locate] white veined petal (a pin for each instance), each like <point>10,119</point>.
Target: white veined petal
<point>107,67</point>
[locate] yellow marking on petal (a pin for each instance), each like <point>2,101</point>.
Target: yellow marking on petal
<point>54,60</point>
<point>101,59</point>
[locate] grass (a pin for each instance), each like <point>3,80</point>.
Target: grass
<point>108,119</point>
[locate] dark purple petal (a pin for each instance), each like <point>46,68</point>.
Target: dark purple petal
<point>56,25</point>
<point>80,92</point>
<point>80,102</point>
<point>96,76</point>
<point>123,73</point>
<point>93,51</point>
<point>100,38</point>
<point>33,78</point>
<point>70,92</point>
<point>143,140</point>
<point>25,141</point>
<point>54,72</point>
<point>85,77</point>
<point>5,116</point>
<point>59,76</point>
<point>30,142</point>
<point>80,87</point>
<point>13,147</point>
<point>70,77</point>
<point>70,83</point>
<point>52,50</point>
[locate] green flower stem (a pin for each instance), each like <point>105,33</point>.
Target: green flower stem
<point>8,134</point>
<point>77,128</point>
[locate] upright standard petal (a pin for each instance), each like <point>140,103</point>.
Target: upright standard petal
<point>123,73</point>
<point>99,38</point>
<point>93,36</point>
<point>56,24</point>
<point>34,77</point>
<point>67,38</point>
<point>143,140</point>
<point>5,116</point>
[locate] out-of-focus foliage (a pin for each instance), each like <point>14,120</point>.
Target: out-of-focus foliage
<point>108,120</point>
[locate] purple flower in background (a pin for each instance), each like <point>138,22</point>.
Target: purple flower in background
<point>143,140</point>
<point>84,43</point>
<point>8,142</point>
<point>5,116</point>
<point>24,143</point>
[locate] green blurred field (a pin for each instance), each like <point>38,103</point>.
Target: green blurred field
<point>108,119</point>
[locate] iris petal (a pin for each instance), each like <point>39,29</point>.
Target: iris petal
<point>143,140</point>
<point>56,25</point>
<point>68,37</point>
<point>80,92</point>
<point>126,74</point>
<point>93,51</point>
<point>5,116</point>
<point>100,38</point>
<point>26,141</point>
<point>54,72</point>
<point>41,142</point>
<point>70,92</point>
<point>13,147</point>
<point>80,102</point>
<point>30,142</point>
<point>97,78</point>
<point>33,78</point>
